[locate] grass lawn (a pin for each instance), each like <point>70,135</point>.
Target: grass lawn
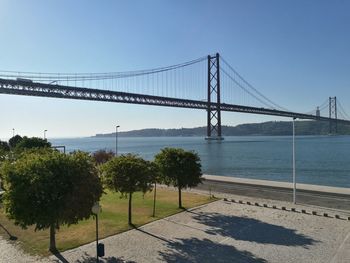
<point>112,220</point>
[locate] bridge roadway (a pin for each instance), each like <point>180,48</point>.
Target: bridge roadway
<point>28,88</point>
<point>330,197</point>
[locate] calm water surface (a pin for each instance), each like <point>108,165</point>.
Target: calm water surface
<point>322,160</point>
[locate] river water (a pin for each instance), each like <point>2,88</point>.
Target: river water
<point>320,160</point>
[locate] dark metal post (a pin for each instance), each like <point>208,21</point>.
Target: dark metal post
<point>154,199</point>
<point>97,238</point>
<point>209,101</point>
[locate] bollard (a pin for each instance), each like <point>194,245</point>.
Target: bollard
<point>314,213</point>
<point>292,209</point>
<point>303,211</point>
<point>256,204</point>
<point>265,205</point>
<point>325,214</point>
<point>349,218</point>
<point>274,207</point>
<point>240,201</point>
<point>337,216</point>
<point>233,201</point>
<point>101,250</point>
<point>283,208</point>
<point>248,203</point>
<point>225,199</point>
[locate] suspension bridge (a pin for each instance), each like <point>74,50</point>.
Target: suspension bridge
<point>208,83</point>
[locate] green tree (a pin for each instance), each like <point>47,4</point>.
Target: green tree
<point>179,168</point>
<point>4,146</point>
<point>14,141</point>
<point>50,189</point>
<point>4,154</point>
<point>127,174</point>
<point>30,143</point>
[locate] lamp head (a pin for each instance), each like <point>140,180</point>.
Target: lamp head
<point>96,208</point>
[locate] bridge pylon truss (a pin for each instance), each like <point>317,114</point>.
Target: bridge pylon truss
<point>214,113</point>
<point>333,116</point>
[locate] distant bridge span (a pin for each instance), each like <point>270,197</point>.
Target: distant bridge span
<point>16,87</point>
<point>180,85</point>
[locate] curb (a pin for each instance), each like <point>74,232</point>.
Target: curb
<point>292,209</point>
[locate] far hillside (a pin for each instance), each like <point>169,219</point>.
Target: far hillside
<point>275,128</point>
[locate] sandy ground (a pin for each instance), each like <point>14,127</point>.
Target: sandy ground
<point>220,232</point>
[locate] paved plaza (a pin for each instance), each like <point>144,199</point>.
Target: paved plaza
<point>228,232</point>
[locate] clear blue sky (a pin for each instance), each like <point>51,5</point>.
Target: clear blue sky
<point>295,52</point>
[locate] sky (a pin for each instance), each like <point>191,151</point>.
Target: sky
<point>294,52</point>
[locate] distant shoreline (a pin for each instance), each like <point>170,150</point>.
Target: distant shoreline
<point>271,128</point>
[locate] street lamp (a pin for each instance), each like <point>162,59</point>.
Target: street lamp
<point>45,134</point>
<point>96,209</point>
<point>294,178</point>
<point>116,139</point>
<point>13,132</point>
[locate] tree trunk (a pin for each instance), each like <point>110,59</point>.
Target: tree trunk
<point>154,199</point>
<point>180,201</point>
<point>52,248</point>
<point>129,217</point>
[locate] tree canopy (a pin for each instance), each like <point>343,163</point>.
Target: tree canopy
<point>14,141</point>
<point>33,142</point>
<point>4,146</point>
<point>128,174</point>
<point>4,151</point>
<point>179,168</point>
<point>49,189</point>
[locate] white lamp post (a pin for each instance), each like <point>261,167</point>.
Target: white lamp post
<point>294,176</point>
<point>116,139</point>
<point>45,134</point>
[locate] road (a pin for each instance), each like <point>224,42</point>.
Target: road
<point>305,197</point>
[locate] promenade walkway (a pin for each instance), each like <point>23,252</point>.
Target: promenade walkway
<point>306,194</point>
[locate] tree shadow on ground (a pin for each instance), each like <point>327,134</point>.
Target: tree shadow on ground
<point>197,250</point>
<point>86,258</point>
<point>59,257</point>
<point>250,229</point>
<point>11,237</point>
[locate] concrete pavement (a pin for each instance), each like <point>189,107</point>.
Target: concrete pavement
<point>323,196</point>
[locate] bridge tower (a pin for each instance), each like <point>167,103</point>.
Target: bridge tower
<point>213,111</point>
<point>333,125</point>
